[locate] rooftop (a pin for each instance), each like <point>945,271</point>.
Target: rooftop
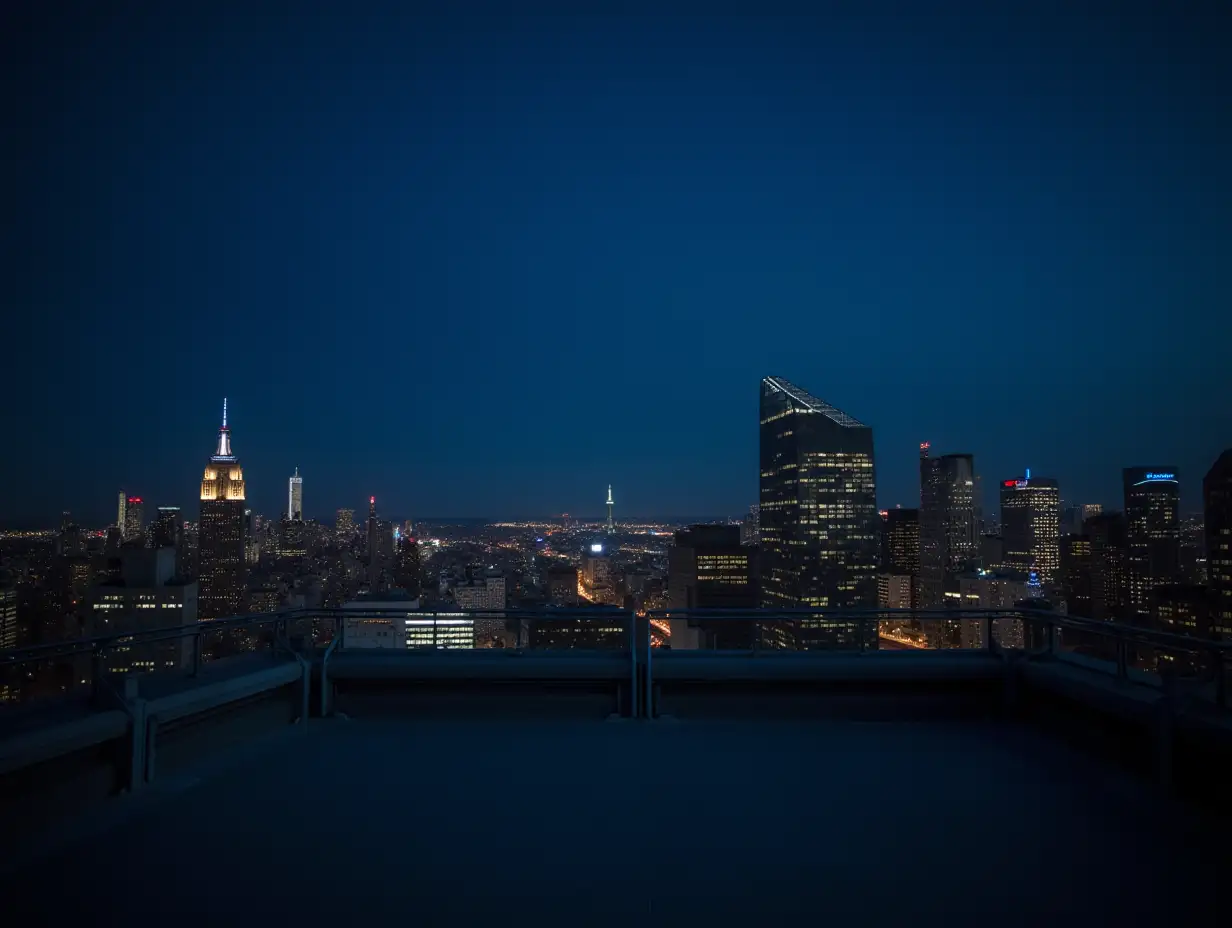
<point>974,786</point>
<point>804,401</point>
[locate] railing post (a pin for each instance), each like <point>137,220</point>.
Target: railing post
<point>989,644</point>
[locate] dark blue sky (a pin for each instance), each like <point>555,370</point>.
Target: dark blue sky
<point>487,259</point>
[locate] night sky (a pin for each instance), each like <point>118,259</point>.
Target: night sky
<point>484,260</point>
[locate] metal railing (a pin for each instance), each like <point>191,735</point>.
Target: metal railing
<point>1130,653</point>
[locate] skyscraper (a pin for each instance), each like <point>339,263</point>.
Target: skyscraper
<point>134,518</point>
<point>949,533</point>
<point>818,509</point>
<point>1217,507</point>
<point>295,497</point>
<point>750,528</point>
<point>223,571</point>
<point>344,524</point>
<point>1031,527</point>
<point>1152,504</point>
<point>900,558</point>
<point>708,568</point>
<point>611,526</point>
<point>1109,573</point>
<point>374,547</point>
<point>168,532</point>
<point>121,514</point>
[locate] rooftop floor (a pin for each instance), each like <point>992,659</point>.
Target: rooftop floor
<point>673,822</point>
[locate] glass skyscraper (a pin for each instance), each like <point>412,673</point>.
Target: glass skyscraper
<point>1031,527</point>
<point>818,507</point>
<point>1152,504</point>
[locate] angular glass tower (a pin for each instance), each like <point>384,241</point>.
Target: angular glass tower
<point>818,508</point>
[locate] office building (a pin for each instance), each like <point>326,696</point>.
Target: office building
<point>562,584</point>
<point>1031,527</point>
<point>949,536</point>
<point>750,528</point>
<point>1182,609</point>
<point>344,525</point>
<point>168,532</point>
<point>1217,511</point>
<point>588,628</point>
<point>1076,584</point>
<point>480,593</point>
<point>223,569</point>
<point>992,552</point>
<point>598,585</point>
<point>900,548</point>
<point>134,518</point>
<point>1152,514</point>
<point>147,594</point>
<point>708,568</point>
<point>295,497</point>
<point>895,591</point>
<point>986,589</point>
<point>818,509</point>
<point>372,545</point>
<point>1109,569</point>
<point>8,616</point>
<point>408,572</point>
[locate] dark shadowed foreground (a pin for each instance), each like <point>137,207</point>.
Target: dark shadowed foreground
<point>585,822</point>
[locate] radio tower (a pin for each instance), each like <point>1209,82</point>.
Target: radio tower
<point>611,526</point>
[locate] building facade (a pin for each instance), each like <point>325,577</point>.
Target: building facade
<point>949,533</point>
<point>295,497</point>
<point>1217,512</point>
<point>1109,569</point>
<point>223,568</point>
<point>134,518</point>
<point>1031,527</point>
<point>818,506</point>
<point>1152,514</point>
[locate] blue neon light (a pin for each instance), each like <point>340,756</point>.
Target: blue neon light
<point>1161,476</point>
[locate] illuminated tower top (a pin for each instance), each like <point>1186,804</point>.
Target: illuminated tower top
<point>611,527</point>
<point>295,497</point>
<point>224,479</point>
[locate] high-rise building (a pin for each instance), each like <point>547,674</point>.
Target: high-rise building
<point>168,532</point>
<point>373,546</point>
<point>344,524</point>
<point>611,526</point>
<point>818,508</point>
<point>134,518</point>
<point>121,513</point>
<point>949,535</point>
<point>1076,574</point>
<point>708,568</point>
<point>1031,526</point>
<point>295,497</point>
<point>146,595</point>
<point>1091,509</point>
<point>8,616</point>
<point>900,550</point>
<point>222,570</point>
<point>750,528</point>
<point>1217,507</point>
<point>598,585</point>
<point>408,573</point>
<point>1152,504</point>
<point>562,583</point>
<point>1109,570</point>
<point>900,558</point>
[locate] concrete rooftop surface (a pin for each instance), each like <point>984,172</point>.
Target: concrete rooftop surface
<point>586,822</point>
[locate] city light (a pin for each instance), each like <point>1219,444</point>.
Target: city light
<point>596,549</point>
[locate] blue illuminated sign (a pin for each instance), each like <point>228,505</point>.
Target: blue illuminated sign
<point>1161,476</point>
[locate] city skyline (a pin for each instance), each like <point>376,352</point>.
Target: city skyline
<point>990,501</point>
<point>486,265</point>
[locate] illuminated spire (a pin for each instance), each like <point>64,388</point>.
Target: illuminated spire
<point>611,526</point>
<point>223,453</point>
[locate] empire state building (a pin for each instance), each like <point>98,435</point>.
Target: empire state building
<point>223,573</point>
